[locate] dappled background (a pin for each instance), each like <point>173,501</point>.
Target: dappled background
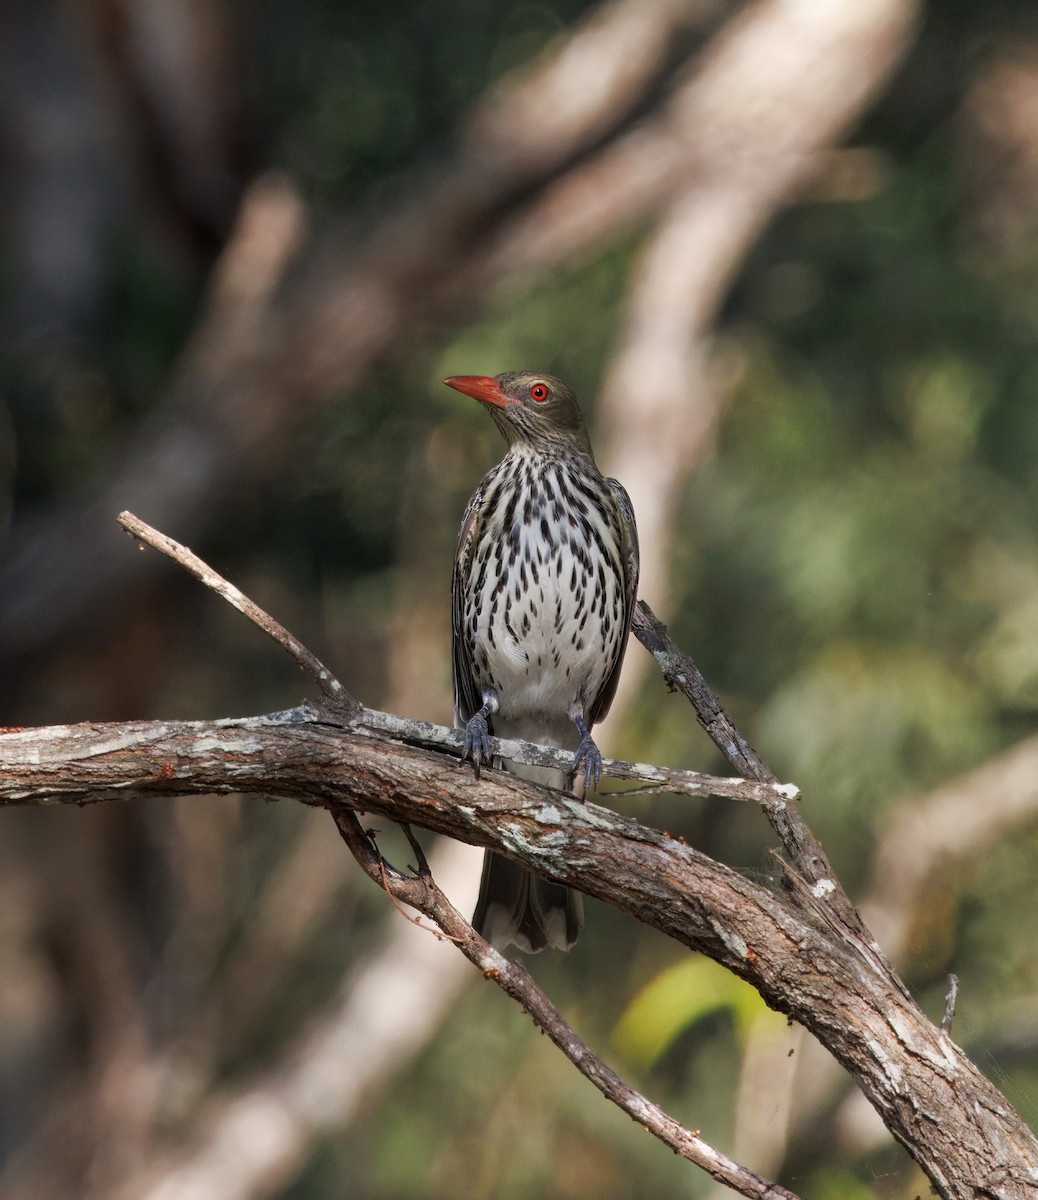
<point>787,255</point>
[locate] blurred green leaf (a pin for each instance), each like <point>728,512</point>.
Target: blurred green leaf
<point>675,1000</point>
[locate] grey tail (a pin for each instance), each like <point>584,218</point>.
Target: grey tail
<point>515,905</point>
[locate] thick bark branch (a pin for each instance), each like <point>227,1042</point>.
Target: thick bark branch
<point>953,1121</point>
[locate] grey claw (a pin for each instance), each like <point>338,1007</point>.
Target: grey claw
<point>477,742</point>
<point>588,755</point>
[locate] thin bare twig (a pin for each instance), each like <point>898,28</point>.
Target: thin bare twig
<point>810,879</point>
<point>421,892</point>
<point>657,779</point>
<point>331,688</point>
<point>681,674</point>
<point>950,1002</point>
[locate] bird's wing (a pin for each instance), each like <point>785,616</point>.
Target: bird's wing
<point>467,696</point>
<point>629,561</point>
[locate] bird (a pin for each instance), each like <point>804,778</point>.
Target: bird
<point>543,590</point>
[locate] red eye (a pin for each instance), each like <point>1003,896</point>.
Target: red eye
<point>539,393</point>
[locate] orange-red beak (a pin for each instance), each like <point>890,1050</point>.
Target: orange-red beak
<point>481,388</point>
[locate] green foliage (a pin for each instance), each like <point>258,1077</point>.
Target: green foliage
<point>353,91</point>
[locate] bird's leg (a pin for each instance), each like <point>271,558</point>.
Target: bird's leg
<point>477,732</point>
<point>588,754</point>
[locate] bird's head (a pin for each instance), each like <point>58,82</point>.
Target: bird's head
<point>538,411</point>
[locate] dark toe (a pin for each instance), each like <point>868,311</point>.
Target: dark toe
<point>588,757</point>
<point>477,742</point>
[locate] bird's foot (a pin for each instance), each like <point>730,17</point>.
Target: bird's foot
<point>477,742</point>
<point>588,759</point>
